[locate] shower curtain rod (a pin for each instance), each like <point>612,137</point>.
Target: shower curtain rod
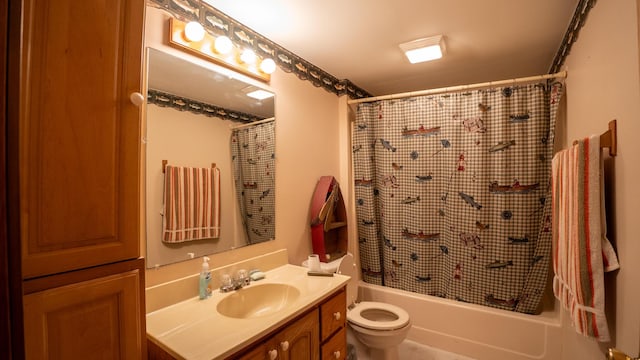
<point>562,74</point>
<point>251,123</point>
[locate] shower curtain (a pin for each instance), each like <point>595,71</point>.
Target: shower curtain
<point>253,159</point>
<point>453,193</point>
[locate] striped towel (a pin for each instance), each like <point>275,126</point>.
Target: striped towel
<point>581,251</point>
<point>191,204</point>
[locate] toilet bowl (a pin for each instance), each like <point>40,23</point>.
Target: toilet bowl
<point>379,326</point>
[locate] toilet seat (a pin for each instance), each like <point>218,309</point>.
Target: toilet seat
<point>355,316</point>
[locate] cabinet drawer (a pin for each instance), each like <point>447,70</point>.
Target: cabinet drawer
<point>333,314</point>
<point>336,347</point>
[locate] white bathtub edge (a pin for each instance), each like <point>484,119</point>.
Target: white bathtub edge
<point>473,330</point>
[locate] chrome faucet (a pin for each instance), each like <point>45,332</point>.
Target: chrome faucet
<point>241,280</point>
<point>615,354</point>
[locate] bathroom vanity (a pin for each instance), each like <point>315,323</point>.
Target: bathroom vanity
<point>287,315</point>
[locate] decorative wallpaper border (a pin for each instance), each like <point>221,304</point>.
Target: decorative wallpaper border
<point>571,36</point>
<point>218,23</point>
<point>164,99</point>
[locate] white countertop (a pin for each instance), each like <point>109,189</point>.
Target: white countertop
<point>194,330</point>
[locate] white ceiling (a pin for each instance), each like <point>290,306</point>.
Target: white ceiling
<point>358,40</point>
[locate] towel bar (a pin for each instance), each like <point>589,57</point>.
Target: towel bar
<point>164,165</point>
<point>609,139</point>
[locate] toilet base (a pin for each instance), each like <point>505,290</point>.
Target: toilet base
<point>384,354</point>
<point>368,345</point>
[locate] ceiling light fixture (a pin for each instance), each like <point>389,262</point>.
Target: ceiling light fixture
<point>425,49</point>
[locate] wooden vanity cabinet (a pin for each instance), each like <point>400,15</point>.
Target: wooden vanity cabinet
<point>336,346</point>
<point>333,317</point>
<point>299,340</point>
<point>319,334</point>
<point>259,352</point>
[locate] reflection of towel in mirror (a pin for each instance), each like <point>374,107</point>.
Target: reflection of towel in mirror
<point>581,251</point>
<point>191,204</point>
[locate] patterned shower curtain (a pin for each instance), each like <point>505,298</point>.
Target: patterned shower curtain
<point>453,193</point>
<point>253,158</point>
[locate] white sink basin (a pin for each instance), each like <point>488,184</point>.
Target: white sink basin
<point>258,300</point>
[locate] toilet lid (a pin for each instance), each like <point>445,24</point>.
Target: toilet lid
<point>358,316</point>
<point>347,266</point>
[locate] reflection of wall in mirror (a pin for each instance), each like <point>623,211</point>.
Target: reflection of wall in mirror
<point>187,139</point>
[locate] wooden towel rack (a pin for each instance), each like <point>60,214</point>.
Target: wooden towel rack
<point>164,165</point>
<point>609,139</point>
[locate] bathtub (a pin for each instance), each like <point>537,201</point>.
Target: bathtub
<point>473,330</point>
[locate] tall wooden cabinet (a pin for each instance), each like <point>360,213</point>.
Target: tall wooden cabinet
<point>78,157</point>
<point>79,133</point>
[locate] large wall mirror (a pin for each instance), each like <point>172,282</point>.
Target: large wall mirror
<point>197,117</point>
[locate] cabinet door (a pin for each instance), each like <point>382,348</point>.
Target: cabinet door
<point>260,352</point>
<point>92,319</point>
<point>79,133</point>
<point>300,340</point>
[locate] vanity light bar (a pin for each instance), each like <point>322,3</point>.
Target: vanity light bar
<point>219,50</point>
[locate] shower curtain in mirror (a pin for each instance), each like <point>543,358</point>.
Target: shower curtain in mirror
<point>252,154</point>
<point>453,193</point>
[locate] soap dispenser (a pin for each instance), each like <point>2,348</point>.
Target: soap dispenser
<point>205,279</point>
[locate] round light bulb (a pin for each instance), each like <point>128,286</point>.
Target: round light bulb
<point>223,45</point>
<point>268,66</point>
<point>248,56</point>
<point>193,31</point>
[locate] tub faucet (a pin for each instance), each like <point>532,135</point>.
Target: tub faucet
<point>615,354</point>
<point>240,280</point>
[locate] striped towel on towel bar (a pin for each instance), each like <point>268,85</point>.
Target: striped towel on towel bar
<point>191,204</point>
<point>581,251</point>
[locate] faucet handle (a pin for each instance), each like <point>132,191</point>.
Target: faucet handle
<point>226,283</point>
<point>243,277</point>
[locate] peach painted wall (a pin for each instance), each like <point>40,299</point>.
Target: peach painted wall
<point>603,83</point>
<point>307,147</point>
<point>187,139</point>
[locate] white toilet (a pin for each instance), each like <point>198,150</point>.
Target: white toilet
<point>379,326</point>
